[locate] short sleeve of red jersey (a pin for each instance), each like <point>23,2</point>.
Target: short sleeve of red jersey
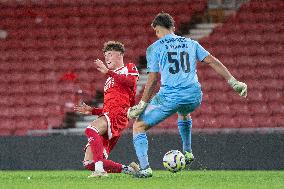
<point>132,70</point>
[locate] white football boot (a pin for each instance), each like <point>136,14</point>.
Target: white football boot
<point>131,169</point>
<point>144,173</point>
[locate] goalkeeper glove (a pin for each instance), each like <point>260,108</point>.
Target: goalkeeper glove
<point>135,111</point>
<point>238,86</point>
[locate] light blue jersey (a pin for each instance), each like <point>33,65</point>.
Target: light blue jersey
<point>175,57</point>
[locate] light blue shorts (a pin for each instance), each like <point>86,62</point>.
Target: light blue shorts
<point>159,109</point>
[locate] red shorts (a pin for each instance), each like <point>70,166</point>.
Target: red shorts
<point>116,123</point>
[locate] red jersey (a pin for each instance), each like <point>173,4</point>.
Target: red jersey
<point>119,96</point>
<point>120,88</point>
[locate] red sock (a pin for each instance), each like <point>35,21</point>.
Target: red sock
<point>111,166</point>
<point>96,144</point>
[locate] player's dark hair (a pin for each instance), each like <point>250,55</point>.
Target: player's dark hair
<point>164,20</point>
<point>113,46</point>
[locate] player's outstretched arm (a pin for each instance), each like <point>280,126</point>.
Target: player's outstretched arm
<point>83,108</point>
<point>238,86</point>
<point>150,86</point>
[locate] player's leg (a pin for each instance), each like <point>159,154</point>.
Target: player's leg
<point>88,162</point>
<point>158,110</point>
<point>93,133</point>
<point>140,143</point>
<point>95,155</point>
<point>114,167</point>
<point>108,165</point>
<point>185,126</point>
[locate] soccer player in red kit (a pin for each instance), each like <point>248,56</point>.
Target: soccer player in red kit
<point>119,94</point>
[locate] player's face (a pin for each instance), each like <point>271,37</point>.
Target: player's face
<point>112,59</point>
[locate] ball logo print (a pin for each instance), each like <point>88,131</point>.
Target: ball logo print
<point>174,161</point>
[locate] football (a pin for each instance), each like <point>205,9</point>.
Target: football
<point>174,161</point>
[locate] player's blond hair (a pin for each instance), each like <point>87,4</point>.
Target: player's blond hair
<point>114,46</point>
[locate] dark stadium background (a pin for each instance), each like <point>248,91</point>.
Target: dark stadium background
<point>46,54</point>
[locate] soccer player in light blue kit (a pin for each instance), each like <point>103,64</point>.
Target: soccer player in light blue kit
<point>174,58</point>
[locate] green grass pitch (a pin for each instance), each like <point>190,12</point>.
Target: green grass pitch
<point>161,180</point>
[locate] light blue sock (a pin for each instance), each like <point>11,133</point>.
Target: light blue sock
<point>140,142</point>
<point>184,127</point>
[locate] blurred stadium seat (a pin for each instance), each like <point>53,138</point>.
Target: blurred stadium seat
<point>47,39</point>
<point>251,44</point>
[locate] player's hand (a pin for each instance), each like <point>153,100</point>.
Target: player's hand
<point>238,86</point>
<point>100,66</point>
<point>83,109</point>
<point>134,111</point>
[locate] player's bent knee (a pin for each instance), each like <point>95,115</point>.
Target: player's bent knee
<point>89,130</point>
<point>89,165</point>
<point>100,125</point>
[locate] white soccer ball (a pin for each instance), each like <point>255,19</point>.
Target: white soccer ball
<point>174,161</point>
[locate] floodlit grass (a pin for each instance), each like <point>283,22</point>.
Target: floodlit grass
<point>161,179</point>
